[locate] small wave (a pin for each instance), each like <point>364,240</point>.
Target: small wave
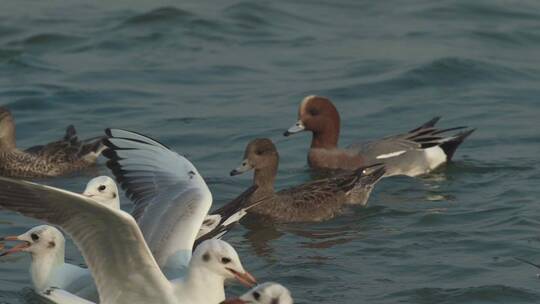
<point>477,10</point>
<point>47,40</point>
<point>9,54</point>
<point>160,15</point>
<point>29,62</point>
<point>254,15</point>
<point>441,72</point>
<point>480,294</point>
<point>456,70</point>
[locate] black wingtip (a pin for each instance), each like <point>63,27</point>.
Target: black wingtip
<point>450,147</point>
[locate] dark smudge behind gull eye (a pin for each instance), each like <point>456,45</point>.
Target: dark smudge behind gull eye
<point>206,257</point>
<point>52,244</point>
<point>256,295</point>
<point>275,301</point>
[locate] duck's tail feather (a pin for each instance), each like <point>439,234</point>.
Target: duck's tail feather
<point>450,145</point>
<point>429,124</point>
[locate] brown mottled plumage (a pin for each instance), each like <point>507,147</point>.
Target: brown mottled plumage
<point>315,201</point>
<point>56,158</point>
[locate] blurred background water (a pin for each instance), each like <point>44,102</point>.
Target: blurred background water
<point>205,77</point>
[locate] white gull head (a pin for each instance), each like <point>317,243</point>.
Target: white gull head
<point>103,189</point>
<point>267,293</point>
<point>46,245</point>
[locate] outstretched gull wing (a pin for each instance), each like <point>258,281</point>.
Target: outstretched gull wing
<point>110,241</point>
<point>170,196</point>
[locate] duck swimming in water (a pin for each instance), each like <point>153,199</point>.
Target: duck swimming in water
<point>53,159</point>
<point>416,152</point>
<point>314,201</point>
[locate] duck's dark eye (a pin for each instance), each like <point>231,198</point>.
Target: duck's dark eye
<point>259,152</point>
<point>34,237</point>
<point>313,112</point>
<point>101,188</point>
<point>256,295</point>
<point>225,260</point>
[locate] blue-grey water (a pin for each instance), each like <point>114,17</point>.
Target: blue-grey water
<point>205,77</point>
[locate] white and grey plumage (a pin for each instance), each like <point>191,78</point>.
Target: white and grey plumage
<point>53,159</point>
<point>266,293</point>
<point>46,245</point>
<point>167,191</point>
<point>114,249</point>
<point>414,153</point>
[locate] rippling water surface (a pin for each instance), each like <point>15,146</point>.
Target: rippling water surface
<point>206,77</point>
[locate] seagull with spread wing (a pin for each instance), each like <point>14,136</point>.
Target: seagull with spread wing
<point>171,198</point>
<point>120,261</point>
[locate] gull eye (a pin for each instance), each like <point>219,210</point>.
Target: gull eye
<point>101,188</point>
<point>34,237</point>
<point>225,260</point>
<point>256,295</point>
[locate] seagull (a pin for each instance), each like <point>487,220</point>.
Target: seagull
<point>266,293</point>
<point>104,190</point>
<point>171,199</point>
<point>119,259</point>
<point>46,245</point>
<point>78,280</point>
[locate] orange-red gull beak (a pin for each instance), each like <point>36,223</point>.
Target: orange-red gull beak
<point>15,249</point>
<point>245,278</point>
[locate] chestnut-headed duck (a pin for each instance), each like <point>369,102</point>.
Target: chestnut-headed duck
<point>53,159</point>
<point>414,153</point>
<point>314,201</point>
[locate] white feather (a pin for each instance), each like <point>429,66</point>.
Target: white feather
<point>435,156</point>
<point>393,154</point>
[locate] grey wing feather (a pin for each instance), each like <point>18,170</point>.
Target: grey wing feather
<point>422,137</point>
<point>164,187</point>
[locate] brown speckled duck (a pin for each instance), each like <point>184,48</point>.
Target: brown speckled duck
<point>53,159</point>
<point>414,153</point>
<point>314,201</point>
